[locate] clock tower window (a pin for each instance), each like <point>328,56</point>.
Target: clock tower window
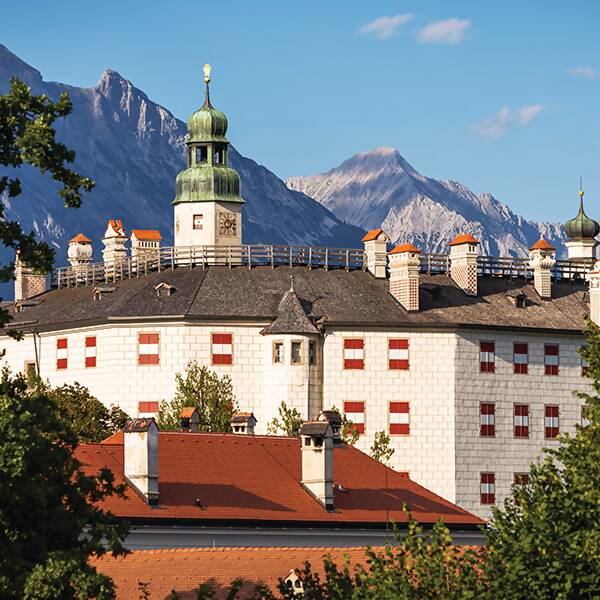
<point>201,154</point>
<point>197,222</point>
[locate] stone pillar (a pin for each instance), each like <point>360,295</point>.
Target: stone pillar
<point>541,260</point>
<point>316,438</point>
<point>140,462</point>
<point>376,242</point>
<point>404,275</point>
<point>593,278</point>
<point>27,282</point>
<point>464,250</point>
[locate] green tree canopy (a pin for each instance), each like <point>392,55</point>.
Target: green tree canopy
<point>289,421</point>
<point>203,389</point>
<point>50,523</point>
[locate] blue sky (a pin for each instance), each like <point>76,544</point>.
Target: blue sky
<point>502,96</point>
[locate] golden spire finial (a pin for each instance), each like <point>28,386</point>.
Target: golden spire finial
<point>207,72</point>
<point>581,186</point>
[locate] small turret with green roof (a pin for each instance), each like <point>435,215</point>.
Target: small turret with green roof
<point>582,231</point>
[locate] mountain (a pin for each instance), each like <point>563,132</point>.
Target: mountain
<point>381,189</point>
<point>133,148</point>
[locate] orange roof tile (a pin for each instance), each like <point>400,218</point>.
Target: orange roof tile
<point>464,238</point>
<point>260,476</point>
<point>146,234</point>
<point>186,412</point>
<point>542,244</point>
<point>405,248</point>
<point>372,235</point>
<point>82,239</point>
<point>116,224</point>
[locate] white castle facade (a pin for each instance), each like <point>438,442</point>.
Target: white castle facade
<point>468,363</point>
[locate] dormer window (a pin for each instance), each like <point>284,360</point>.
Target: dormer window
<point>201,155</point>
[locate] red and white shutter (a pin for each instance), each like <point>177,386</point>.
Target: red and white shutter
<point>355,412</point>
<point>90,351</point>
<point>354,354</point>
<point>521,358</point>
<point>521,420</point>
<point>398,354</point>
<point>147,409</point>
<point>551,359</point>
<point>148,353</point>
<point>488,488</point>
<point>487,417</point>
<point>222,348</point>
<point>399,418</point>
<point>551,427</point>
<point>62,353</point>
<point>487,357</point>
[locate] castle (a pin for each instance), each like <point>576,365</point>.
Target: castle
<point>467,362</point>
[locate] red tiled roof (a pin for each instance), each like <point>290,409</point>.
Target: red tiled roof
<point>184,569</point>
<point>257,478</point>
<point>464,238</point>
<point>372,234</point>
<point>81,238</point>
<point>187,412</point>
<point>542,244</point>
<point>146,234</point>
<point>405,248</point>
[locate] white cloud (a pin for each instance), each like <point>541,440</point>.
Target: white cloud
<point>587,72</point>
<point>507,118</point>
<point>450,31</point>
<point>385,27</point>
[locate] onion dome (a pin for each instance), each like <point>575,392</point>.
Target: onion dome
<point>207,124</point>
<point>581,227</point>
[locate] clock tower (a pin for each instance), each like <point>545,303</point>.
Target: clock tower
<point>208,205</point>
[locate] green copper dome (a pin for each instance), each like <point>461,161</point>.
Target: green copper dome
<point>209,183</point>
<point>207,124</point>
<point>582,227</point>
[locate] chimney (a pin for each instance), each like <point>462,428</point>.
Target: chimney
<point>593,277</point>
<point>27,282</point>
<point>542,261</point>
<point>316,438</point>
<point>114,253</point>
<point>376,242</point>
<point>334,419</point>
<point>189,419</point>
<point>140,465</point>
<point>243,423</point>
<point>145,245</point>
<point>464,250</point>
<point>80,253</point>
<point>404,275</point>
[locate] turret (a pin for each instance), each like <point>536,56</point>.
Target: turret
<point>582,231</point>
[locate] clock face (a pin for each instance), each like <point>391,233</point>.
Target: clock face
<point>228,224</point>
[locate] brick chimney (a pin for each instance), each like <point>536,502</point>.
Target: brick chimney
<point>541,260</point>
<point>243,423</point>
<point>334,419</point>
<point>464,250</point>
<point>140,464</point>
<point>316,438</point>
<point>404,275</point>
<point>593,278</point>
<point>27,282</point>
<point>376,242</point>
<point>189,419</point>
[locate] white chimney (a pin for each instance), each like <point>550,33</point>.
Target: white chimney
<point>316,438</point>
<point>145,245</point>
<point>404,275</point>
<point>140,463</point>
<point>114,253</point>
<point>464,250</point>
<point>334,419</point>
<point>243,423</point>
<point>541,260</point>
<point>80,254</point>
<point>593,278</point>
<point>27,282</point>
<point>376,242</point>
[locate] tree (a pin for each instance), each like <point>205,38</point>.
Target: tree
<point>89,419</point>
<point>50,522</point>
<point>381,449</point>
<point>289,421</point>
<point>27,137</point>
<point>545,543</point>
<point>203,389</point>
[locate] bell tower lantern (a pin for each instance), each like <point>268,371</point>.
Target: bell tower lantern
<point>208,205</point>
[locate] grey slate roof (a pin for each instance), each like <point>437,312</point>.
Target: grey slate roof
<point>291,317</point>
<point>336,297</point>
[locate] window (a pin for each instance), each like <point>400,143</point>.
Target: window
<point>520,358</point>
<point>312,352</point>
<point>487,419</point>
<point>550,421</point>
<point>62,353</point>
<point>90,351</point>
<point>148,348</point>
<point>585,416</point>
<point>354,353</point>
<point>355,412</point>
<point>551,359</point>
<point>201,154</point>
<point>222,349</point>
<point>521,479</point>
<point>197,223</point>
<point>584,363</point>
<point>398,354</point>
<point>399,418</point>
<point>147,408</point>
<point>218,156</point>
<point>487,357</point>
<point>277,352</point>
<point>521,420</point>
<point>296,354</point>
<point>488,488</point>
<point>30,369</point>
